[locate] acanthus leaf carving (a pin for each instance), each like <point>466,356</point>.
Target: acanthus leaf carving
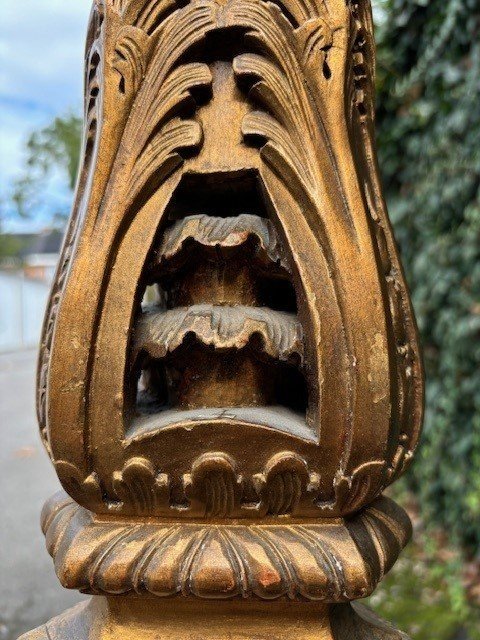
<point>299,90</point>
<point>355,489</point>
<point>315,38</point>
<point>213,485</point>
<point>131,58</point>
<point>74,482</point>
<point>283,484</point>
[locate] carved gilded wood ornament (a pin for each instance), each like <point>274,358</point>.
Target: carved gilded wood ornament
<point>229,375</point>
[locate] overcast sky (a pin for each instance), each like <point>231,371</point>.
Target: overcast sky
<point>41,70</point>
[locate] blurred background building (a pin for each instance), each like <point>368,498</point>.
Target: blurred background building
<point>25,279</point>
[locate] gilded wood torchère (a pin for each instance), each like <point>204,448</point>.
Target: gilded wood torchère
<point>229,374</point>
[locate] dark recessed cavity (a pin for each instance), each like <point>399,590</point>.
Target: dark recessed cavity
<point>278,294</point>
<point>235,378</point>
<point>220,194</point>
<point>215,279</point>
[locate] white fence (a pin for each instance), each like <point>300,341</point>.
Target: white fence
<point>22,306</point>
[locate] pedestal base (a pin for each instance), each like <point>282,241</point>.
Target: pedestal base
<point>135,618</point>
<point>161,580</point>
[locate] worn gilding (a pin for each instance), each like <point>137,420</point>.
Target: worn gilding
<point>229,374</point>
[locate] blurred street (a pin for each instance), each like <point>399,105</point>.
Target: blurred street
<point>29,591</point>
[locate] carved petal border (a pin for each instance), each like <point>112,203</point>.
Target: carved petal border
<point>328,562</point>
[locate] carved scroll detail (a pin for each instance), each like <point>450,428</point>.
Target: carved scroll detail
<point>93,96</point>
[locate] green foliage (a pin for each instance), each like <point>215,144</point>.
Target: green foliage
<point>56,148</point>
<point>10,245</point>
<point>429,143</point>
<point>424,595</point>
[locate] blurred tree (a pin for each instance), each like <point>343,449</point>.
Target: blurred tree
<point>11,244</point>
<point>53,149</point>
<point>429,140</point>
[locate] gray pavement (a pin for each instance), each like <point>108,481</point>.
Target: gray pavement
<point>30,593</point>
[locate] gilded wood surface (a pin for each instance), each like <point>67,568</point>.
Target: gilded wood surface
<point>229,154</point>
<point>229,374</point>
<point>330,562</point>
<point>141,619</point>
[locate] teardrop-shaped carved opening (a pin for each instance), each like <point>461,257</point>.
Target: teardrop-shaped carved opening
<point>218,328</point>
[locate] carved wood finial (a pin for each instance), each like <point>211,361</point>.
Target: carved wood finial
<point>229,334</point>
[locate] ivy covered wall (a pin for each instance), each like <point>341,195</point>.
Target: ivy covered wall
<point>428,123</point>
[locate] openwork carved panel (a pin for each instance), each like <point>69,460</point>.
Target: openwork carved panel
<point>229,332</point>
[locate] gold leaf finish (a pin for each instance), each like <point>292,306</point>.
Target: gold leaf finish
<point>317,562</point>
<point>229,375</point>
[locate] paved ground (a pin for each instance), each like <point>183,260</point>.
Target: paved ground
<point>29,591</point>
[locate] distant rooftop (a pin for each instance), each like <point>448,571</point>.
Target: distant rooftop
<point>17,249</point>
<point>47,242</point>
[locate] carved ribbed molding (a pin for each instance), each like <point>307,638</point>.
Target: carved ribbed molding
<point>285,486</point>
<point>335,562</point>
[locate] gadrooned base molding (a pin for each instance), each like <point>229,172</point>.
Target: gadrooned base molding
<point>329,562</point>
